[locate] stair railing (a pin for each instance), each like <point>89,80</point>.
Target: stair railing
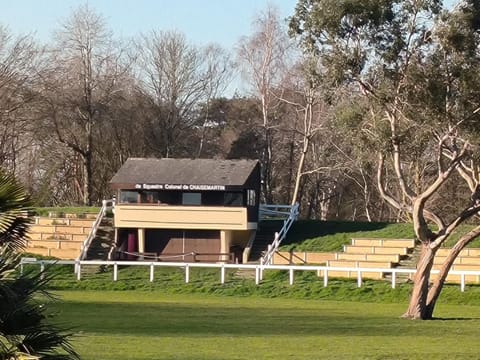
<point>279,236</point>
<point>267,211</point>
<point>106,204</point>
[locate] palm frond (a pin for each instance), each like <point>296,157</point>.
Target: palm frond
<point>23,326</point>
<point>14,206</point>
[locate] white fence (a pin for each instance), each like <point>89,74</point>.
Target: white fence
<point>259,269</point>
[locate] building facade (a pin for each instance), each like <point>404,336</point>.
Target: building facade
<point>186,209</point>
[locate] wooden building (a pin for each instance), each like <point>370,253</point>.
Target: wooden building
<point>184,209</point>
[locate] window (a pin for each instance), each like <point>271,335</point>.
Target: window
<point>233,199</point>
<point>191,199</point>
<point>251,197</point>
<point>150,197</point>
<point>130,197</point>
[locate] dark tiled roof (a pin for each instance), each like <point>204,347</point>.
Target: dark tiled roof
<point>184,171</point>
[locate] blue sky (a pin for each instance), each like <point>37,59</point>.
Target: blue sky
<point>202,21</point>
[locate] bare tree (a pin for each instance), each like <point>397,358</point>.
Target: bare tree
<point>80,85</point>
<point>177,77</point>
<point>217,73</point>
<point>20,61</point>
<point>262,57</point>
<point>311,110</point>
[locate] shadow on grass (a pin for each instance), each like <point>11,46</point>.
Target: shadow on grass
<point>170,319</point>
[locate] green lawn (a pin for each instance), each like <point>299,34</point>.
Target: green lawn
<point>154,325</point>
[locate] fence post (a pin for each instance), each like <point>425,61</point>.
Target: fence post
<point>151,272</point>
<point>359,278</point>
<point>42,270</point>
<point>257,275</point>
<point>78,266</point>
<point>115,271</point>
<point>291,276</point>
<point>394,279</point>
<point>187,274</point>
<point>222,274</point>
<point>462,282</point>
<point>325,278</point>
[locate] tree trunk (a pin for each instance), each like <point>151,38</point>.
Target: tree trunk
<point>87,180</point>
<point>439,281</point>
<point>417,308</point>
<point>298,176</point>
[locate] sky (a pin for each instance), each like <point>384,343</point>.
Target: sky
<point>202,21</point>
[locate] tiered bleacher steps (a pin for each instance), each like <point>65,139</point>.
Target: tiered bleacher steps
<point>357,264</point>
<point>361,253</point>
<point>468,259</point>
<point>370,253</point>
<point>300,258</point>
<point>58,237</point>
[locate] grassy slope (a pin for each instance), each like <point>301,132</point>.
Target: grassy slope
<point>154,325</point>
<point>332,235</point>
<point>44,211</point>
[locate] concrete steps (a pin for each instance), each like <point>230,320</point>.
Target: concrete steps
<point>58,237</point>
<point>264,237</point>
<point>101,245</point>
<point>361,253</point>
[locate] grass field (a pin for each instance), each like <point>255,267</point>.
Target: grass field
<point>153,325</point>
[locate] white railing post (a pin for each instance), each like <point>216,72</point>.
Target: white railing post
<point>78,267</point>
<point>151,272</point>
<point>359,278</point>
<point>187,274</point>
<point>291,276</point>
<point>462,282</point>
<point>115,271</point>
<point>222,274</point>
<point>257,275</point>
<point>394,279</point>
<point>325,278</point>
<point>42,270</point>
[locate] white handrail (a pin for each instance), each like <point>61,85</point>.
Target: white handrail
<point>268,211</point>
<point>259,269</point>
<point>272,248</point>
<point>93,231</point>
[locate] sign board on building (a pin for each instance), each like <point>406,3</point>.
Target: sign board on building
<point>184,187</point>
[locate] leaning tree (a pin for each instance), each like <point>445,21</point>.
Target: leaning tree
<point>416,66</point>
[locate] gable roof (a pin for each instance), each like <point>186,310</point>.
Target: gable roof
<point>184,171</point>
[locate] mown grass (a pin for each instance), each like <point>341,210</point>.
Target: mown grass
<point>312,235</point>
<point>141,325</point>
<point>78,210</point>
